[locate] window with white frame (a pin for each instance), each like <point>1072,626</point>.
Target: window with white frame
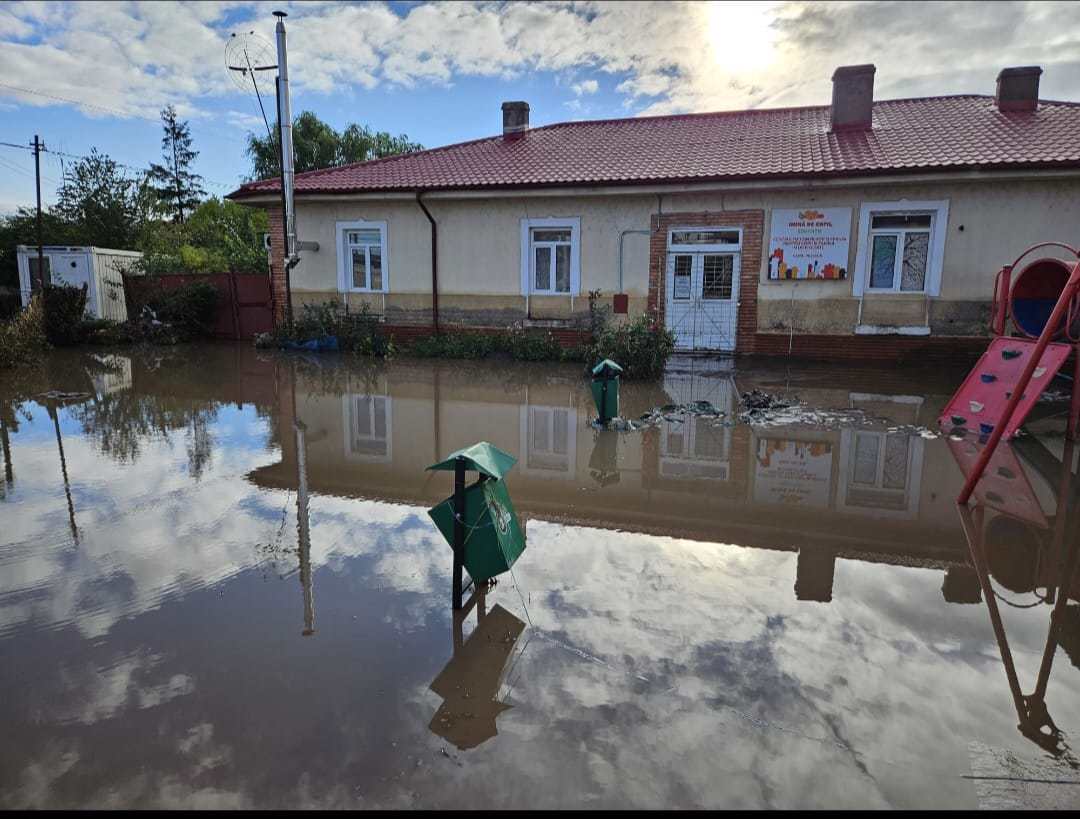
<point>362,257</point>
<point>551,260</point>
<point>901,247</point>
<point>899,251</point>
<point>550,252</point>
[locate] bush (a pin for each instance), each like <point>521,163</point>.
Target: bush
<point>356,332</point>
<point>64,308</point>
<point>191,309</point>
<point>454,345</point>
<point>525,346</point>
<point>22,339</point>
<point>159,316</point>
<point>104,331</point>
<point>641,346</point>
<point>517,343</point>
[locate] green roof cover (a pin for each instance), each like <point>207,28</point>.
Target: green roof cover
<point>606,366</point>
<point>483,457</point>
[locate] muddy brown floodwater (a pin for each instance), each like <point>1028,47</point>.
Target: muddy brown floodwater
<point>219,587</point>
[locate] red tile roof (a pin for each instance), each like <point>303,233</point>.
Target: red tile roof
<point>927,134</point>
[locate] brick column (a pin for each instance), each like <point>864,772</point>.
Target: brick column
<point>277,264</point>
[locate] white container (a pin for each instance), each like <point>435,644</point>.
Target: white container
<point>99,268</point>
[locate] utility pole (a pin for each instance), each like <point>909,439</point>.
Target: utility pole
<point>39,146</point>
<point>288,227</point>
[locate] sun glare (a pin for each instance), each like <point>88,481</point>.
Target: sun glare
<point>742,39</point>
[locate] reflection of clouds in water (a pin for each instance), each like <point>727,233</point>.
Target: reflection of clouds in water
<point>90,694</point>
<point>750,697</point>
<point>36,783</point>
<point>730,650</point>
<point>147,531</point>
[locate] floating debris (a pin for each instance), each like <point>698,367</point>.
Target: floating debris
<point>59,395</point>
<point>1053,396</point>
<point>761,400</point>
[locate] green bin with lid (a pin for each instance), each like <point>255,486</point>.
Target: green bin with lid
<point>605,389</point>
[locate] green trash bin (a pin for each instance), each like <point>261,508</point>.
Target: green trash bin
<point>605,389</point>
<point>494,539</point>
<point>493,536</point>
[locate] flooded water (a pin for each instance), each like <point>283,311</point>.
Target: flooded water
<point>219,587</point>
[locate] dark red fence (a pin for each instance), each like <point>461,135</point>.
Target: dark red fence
<point>244,301</point>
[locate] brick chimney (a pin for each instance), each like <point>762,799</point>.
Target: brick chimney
<point>852,97</point>
<point>1018,88</point>
<point>515,118</point>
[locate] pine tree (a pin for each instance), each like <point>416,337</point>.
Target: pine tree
<point>178,190</point>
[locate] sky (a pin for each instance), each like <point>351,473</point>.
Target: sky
<point>87,74</point>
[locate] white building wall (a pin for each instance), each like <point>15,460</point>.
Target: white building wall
<point>989,224</point>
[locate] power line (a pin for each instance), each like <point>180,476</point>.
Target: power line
<point>130,167</point>
<point>139,169</point>
<point>11,166</point>
<point>70,101</point>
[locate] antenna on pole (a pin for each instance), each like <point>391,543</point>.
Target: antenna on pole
<point>245,56</point>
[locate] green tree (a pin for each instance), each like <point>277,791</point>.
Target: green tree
<point>317,145</point>
<point>100,204</point>
<point>218,236</point>
<point>177,188</point>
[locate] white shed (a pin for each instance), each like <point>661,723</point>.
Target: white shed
<point>99,268</point>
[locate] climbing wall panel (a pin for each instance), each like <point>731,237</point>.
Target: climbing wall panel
<point>980,402</point>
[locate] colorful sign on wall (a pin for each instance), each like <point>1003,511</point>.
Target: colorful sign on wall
<point>808,243</point>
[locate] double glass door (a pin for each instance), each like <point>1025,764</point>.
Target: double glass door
<point>702,299</point>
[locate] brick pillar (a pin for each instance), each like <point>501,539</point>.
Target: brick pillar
<point>277,264</point>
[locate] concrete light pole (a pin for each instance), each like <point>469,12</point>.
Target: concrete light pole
<point>288,174</point>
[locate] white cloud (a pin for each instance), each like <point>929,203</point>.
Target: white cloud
<point>665,57</point>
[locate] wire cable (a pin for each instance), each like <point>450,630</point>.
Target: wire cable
<point>132,167</point>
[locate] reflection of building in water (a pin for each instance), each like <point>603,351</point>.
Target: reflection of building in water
<point>882,469</point>
<point>821,492</point>
<point>469,684</point>
<point>699,446</point>
<point>549,441</point>
<point>367,426</point>
<point>794,472</point>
